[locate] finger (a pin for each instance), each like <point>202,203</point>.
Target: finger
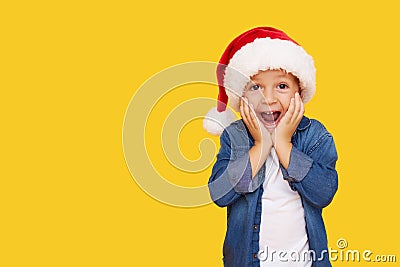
<point>296,108</point>
<point>302,109</point>
<point>253,117</point>
<point>249,114</point>
<point>289,113</point>
<point>242,111</point>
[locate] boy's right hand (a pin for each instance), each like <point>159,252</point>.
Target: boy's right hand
<point>259,133</point>
<point>262,138</point>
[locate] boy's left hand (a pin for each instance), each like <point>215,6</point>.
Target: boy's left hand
<point>290,121</point>
<point>286,127</point>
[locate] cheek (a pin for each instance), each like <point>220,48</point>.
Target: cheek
<point>285,98</point>
<point>255,98</point>
<point>285,101</point>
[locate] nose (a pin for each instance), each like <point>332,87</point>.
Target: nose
<point>269,96</point>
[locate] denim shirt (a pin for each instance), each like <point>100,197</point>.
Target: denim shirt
<point>311,172</point>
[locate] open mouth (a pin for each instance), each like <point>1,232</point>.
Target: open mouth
<point>270,118</point>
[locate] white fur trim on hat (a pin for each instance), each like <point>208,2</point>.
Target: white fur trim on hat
<point>268,54</point>
<point>215,122</point>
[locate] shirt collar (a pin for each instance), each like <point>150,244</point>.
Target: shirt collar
<point>304,123</point>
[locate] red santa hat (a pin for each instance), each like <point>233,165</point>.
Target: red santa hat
<point>261,48</point>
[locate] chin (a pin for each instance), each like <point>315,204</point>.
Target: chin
<point>271,126</point>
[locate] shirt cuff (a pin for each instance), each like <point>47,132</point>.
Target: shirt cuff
<point>240,173</point>
<point>299,166</point>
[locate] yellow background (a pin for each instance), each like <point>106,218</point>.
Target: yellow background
<point>68,72</point>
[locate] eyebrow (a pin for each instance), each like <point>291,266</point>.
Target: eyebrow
<point>280,76</point>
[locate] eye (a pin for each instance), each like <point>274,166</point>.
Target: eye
<point>255,87</point>
<point>283,86</point>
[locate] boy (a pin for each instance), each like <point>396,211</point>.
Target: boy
<point>275,170</point>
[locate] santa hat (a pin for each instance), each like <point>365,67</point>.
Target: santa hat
<point>261,48</point>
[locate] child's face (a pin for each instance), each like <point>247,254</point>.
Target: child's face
<point>270,92</point>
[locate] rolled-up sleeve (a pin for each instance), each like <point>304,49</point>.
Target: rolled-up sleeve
<point>239,173</point>
<point>232,172</point>
<point>300,165</point>
<point>314,176</point>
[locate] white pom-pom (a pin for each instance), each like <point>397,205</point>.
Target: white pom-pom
<point>215,122</point>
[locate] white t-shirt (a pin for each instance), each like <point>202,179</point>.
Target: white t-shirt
<point>283,238</point>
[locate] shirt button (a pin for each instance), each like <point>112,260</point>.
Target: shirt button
<point>255,227</point>
<point>255,255</point>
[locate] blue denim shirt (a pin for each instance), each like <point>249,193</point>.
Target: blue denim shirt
<point>311,172</point>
